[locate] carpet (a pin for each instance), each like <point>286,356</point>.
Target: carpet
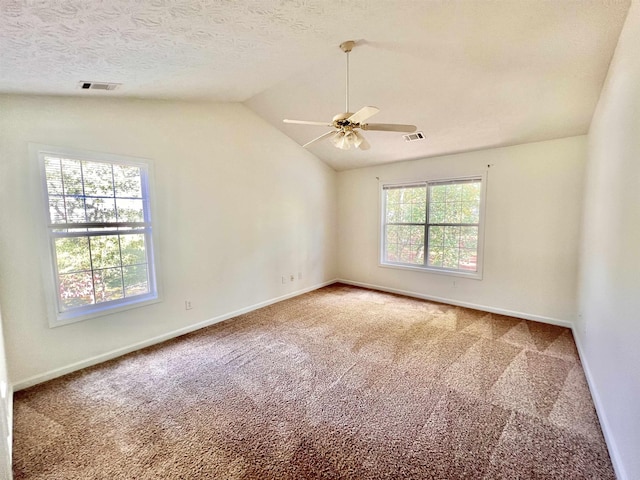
<point>339,383</point>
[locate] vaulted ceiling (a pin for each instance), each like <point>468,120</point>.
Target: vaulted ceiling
<point>470,74</point>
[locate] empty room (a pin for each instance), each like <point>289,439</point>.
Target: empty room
<point>308,239</point>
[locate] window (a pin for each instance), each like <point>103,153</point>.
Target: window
<point>99,232</point>
<point>434,225</point>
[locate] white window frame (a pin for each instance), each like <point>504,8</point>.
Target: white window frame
<point>477,275</point>
<point>57,315</point>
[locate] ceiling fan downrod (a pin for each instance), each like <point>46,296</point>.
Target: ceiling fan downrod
<point>346,47</point>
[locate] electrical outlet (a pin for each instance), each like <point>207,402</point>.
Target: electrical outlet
<point>187,305</point>
<point>292,277</point>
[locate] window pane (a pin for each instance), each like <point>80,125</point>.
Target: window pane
<point>411,244</point>
<point>405,213</point>
<point>72,177</point>
<point>417,235</point>
<point>136,280</point>
<point>75,209</point>
<point>133,249</point>
<point>108,284</point>
<point>392,205</point>
<point>127,181</point>
<point>393,213</point>
<point>72,254</point>
<point>468,259</point>
<point>418,212</point>
<point>438,193</point>
<point>391,252</point>
<point>452,212</point>
<point>470,212</point>
<point>393,195</point>
<point>105,251</point>
<point>469,237</point>
<point>130,210</point>
<point>57,213</point>
<point>413,194</point>
<point>101,209</point>
<point>435,257</point>
<point>405,205</point>
<point>450,259</point>
<point>471,192</point>
<point>411,254</point>
<point>406,254</point>
<point>454,192</point>
<point>98,179</point>
<point>404,234</point>
<point>53,174</point>
<point>436,236</point>
<point>392,234</point>
<point>436,212</point>
<point>451,236</point>
<point>76,289</point>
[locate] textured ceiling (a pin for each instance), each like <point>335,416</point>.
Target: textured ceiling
<point>470,74</point>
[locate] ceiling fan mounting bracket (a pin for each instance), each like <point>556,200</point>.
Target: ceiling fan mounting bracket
<point>347,46</point>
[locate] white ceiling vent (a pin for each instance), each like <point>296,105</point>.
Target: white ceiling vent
<point>412,137</point>
<point>98,85</point>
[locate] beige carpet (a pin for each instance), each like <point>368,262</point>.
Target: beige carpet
<point>340,383</point>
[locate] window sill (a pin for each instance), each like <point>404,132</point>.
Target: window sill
<point>451,273</point>
<point>101,310</point>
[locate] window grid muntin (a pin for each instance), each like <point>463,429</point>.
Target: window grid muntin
<point>443,250</point>
<point>427,225</point>
<point>407,247</point>
<point>61,230</point>
<point>115,196</point>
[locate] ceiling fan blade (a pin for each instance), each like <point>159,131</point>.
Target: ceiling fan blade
<point>389,127</point>
<point>363,114</point>
<point>305,122</point>
<point>321,137</point>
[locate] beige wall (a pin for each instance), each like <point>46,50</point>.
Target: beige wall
<point>609,327</point>
<point>237,206</point>
<point>533,211</point>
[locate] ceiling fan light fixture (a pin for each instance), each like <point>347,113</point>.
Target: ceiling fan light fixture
<point>337,138</point>
<point>351,139</point>
<point>344,141</point>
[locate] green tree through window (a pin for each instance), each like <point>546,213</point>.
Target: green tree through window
<point>433,225</point>
<point>100,231</point>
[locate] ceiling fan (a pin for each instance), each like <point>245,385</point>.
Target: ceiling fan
<point>346,125</point>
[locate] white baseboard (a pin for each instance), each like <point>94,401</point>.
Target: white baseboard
<point>475,306</point>
<point>58,372</point>
<point>604,423</point>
